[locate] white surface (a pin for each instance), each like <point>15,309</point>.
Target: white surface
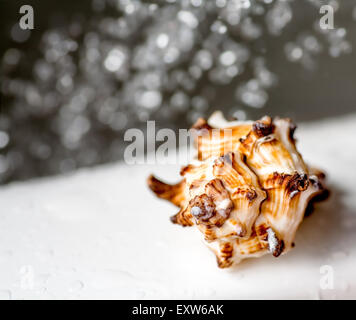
<point>100,233</point>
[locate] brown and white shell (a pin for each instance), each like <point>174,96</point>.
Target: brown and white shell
<point>248,189</point>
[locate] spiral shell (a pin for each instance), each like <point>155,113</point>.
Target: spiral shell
<point>247,191</point>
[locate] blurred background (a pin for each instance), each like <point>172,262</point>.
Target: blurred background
<point>91,69</point>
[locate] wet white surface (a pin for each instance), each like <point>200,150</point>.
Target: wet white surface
<point>100,233</point>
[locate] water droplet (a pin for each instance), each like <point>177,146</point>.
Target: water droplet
<point>278,17</point>
<point>188,18</point>
<point>220,3</point>
<point>162,40</point>
<point>114,60</point>
<point>76,286</point>
<point>180,101</point>
<point>218,27</point>
<point>171,55</point>
<point>4,139</point>
<point>227,58</point>
<point>12,56</point>
<point>252,95</point>
<point>149,99</point>
<point>204,59</point>
<point>293,52</point>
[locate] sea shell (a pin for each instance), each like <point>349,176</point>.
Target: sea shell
<point>248,189</point>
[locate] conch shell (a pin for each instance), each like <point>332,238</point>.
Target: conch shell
<point>247,191</point>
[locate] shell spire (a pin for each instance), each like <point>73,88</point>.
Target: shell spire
<point>248,190</point>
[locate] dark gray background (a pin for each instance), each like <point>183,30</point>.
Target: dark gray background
<point>304,95</point>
